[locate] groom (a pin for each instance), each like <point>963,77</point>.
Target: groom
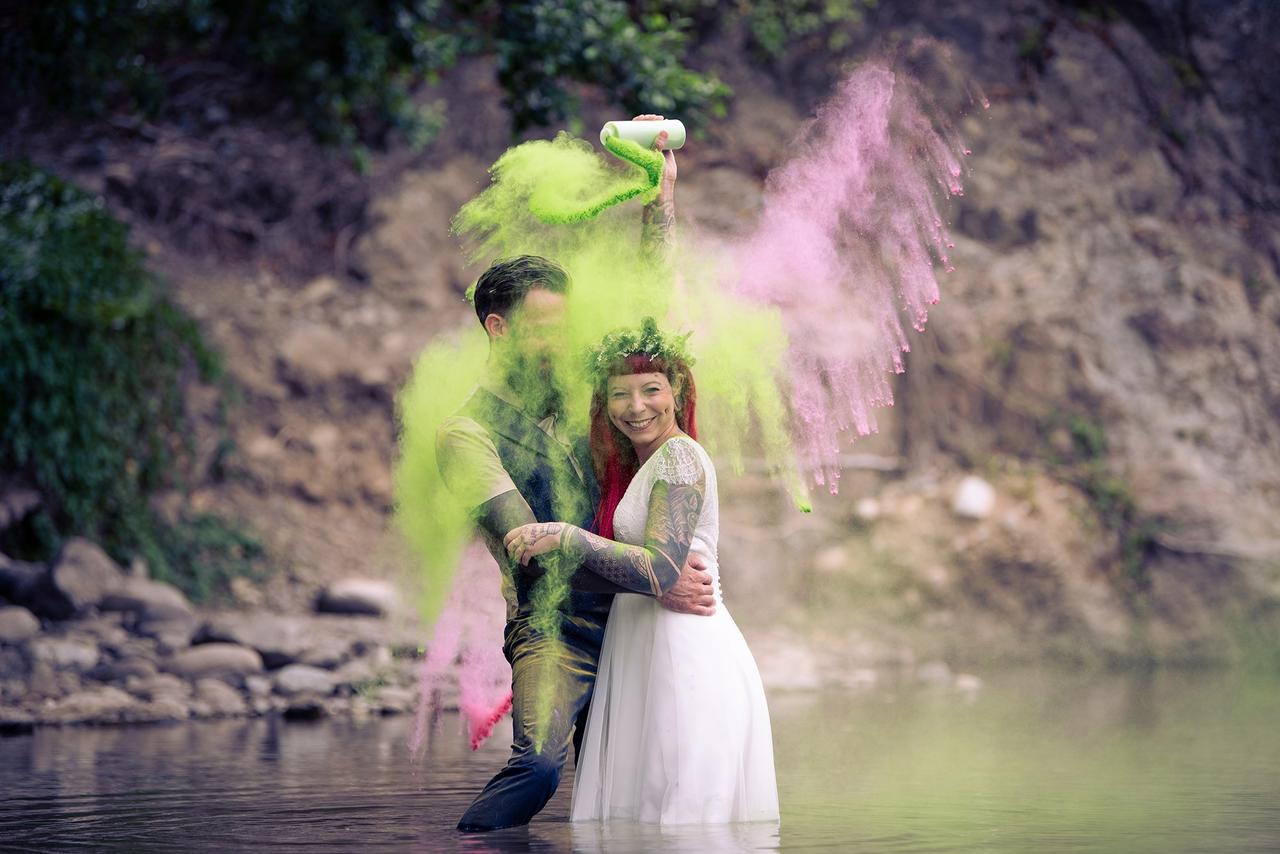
<point>506,456</point>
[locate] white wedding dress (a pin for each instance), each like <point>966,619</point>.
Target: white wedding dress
<point>678,731</point>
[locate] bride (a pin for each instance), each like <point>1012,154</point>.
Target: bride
<point>678,730</point>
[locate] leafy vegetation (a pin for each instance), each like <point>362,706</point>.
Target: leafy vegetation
<point>348,68</point>
<point>91,385</point>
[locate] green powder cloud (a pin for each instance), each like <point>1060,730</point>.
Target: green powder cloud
<point>563,200</point>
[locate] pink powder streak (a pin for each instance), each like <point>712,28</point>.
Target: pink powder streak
<point>845,248</point>
<point>467,643</point>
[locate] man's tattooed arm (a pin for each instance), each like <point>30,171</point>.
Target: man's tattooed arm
<point>508,511</point>
<point>653,568</point>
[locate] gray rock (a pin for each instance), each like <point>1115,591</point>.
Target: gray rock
<point>308,707</point>
<point>279,639</point>
<point>105,629</point>
<point>214,659</point>
<point>299,679</point>
<point>221,699</point>
<point>64,653</point>
<point>122,670</point>
<point>157,687</point>
<point>356,672</point>
<point>19,580</point>
<point>357,596</point>
<point>13,664</point>
<point>16,721</point>
<point>103,704</point>
<point>974,498</point>
<point>258,686</point>
<point>17,624</point>
<point>170,635</point>
<point>82,574</point>
<point>326,652</point>
<point>43,680</point>
<point>148,600</point>
<point>163,709</point>
<point>394,700</point>
<point>15,503</point>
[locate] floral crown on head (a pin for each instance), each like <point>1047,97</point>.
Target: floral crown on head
<point>621,343</point>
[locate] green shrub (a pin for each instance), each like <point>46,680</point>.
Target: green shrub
<point>542,43</point>
<point>91,382</point>
<point>348,67</point>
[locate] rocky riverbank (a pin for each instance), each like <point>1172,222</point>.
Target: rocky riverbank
<point>85,641</point>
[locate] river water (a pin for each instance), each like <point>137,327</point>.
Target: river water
<point>1032,761</point>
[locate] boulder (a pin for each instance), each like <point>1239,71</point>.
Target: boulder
<point>357,596</point>
<point>163,709</point>
<point>15,503</point>
<point>81,575</point>
<point>120,671</point>
<point>170,635</point>
<point>219,698</point>
<point>16,721</point>
<point>257,686</point>
<point>394,699</point>
<point>157,687</point>
<point>148,600</point>
<point>65,653</point>
<point>74,583</point>
<point>974,498</point>
<point>214,659</point>
<point>19,579</point>
<point>104,704</point>
<point>13,664</point>
<point>17,624</point>
<point>303,679</point>
<point>279,639</point>
<point>105,630</point>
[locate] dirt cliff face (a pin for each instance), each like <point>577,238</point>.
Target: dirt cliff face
<point>1107,353</point>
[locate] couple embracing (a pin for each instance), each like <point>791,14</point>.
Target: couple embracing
<point>650,679</point>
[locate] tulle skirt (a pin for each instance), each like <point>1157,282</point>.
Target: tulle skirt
<point>678,731</point>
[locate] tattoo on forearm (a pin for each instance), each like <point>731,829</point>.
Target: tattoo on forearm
<point>509,511</point>
<point>653,568</point>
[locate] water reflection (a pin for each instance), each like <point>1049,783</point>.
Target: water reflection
<point>1036,761</point>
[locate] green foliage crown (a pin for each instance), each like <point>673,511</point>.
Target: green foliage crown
<point>605,357</point>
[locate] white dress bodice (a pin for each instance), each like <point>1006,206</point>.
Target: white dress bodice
<point>680,460</point>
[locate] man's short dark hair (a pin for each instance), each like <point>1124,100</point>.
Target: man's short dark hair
<point>503,286</point>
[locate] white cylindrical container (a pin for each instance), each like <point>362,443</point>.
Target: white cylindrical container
<point>644,133</point>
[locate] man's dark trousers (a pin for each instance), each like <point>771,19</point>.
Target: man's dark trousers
<point>545,475</point>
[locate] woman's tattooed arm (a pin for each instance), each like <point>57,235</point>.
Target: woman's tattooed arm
<point>653,568</point>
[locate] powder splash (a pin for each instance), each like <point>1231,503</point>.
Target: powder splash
<point>796,325</point>
<point>846,248</point>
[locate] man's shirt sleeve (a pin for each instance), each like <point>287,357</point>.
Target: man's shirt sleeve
<point>469,463</point>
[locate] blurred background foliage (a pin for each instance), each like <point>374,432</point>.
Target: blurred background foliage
<point>92,401</point>
<point>349,67</point>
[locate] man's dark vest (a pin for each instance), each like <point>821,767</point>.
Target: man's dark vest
<point>543,472</point>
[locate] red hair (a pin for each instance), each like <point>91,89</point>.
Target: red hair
<point>612,455</point>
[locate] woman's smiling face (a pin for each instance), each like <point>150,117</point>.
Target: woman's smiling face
<point>642,407</point>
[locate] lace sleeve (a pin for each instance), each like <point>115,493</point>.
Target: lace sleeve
<point>678,463</point>
<point>675,505</point>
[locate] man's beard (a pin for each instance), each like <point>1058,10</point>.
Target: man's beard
<point>537,384</point>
